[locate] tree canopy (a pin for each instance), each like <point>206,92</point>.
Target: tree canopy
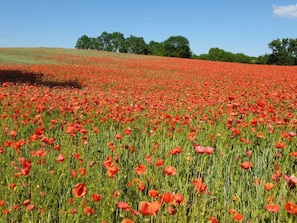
<point>136,45</point>
<point>177,46</point>
<point>284,51</point>
<point>174,46</point>
<point>83,42</point>
<point>217,54</point>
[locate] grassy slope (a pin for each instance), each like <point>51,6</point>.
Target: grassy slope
<point>47,55</point>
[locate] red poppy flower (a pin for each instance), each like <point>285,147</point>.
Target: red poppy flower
<point>294,154</point>
<point>26,202</point>
<point>70,130</point>
<point>76,156</point>
<point>268,186</point>
<point>261,103</point>
<point>246,165</point>
<point>82,171</point>
<point>116,193</point>
<point>96,130</point>
<point>70,200</point>
<point>167,197</point>
<point>73,173</point>
<point>280,145</point>
<point>153,193</point>
<point>108,162</point>
<point>159,162</point>
<point>112,171</point>
<point>209,150</point>
<point>79,190</point>
<point>6,211</point>
<point>272,207</point>
<point>40,152</point>
<point>12,186</point>
<point>127,131</point>
<point>148,158</point>
<point>123,206</point>
<point>238,217</point>
<point>170,170</point>
<point>200,185</point>
<point>89,211</point>
<point>175,151</point>
<point>118,136</point>
<point>96,197</point>
<point>213,219</point>
<point>147,208</point>
<point>73,211</point>
<point>260,135</point>
<point>249,152</point>
<point>140,169</point>
<point>13,134</point>
<point>291,207</point>
<point>60,158</point>
<point>292,181</point>
<point>127,220</point>
<point>199,149</point>
<point>30,207</point>
<point>141,186</point>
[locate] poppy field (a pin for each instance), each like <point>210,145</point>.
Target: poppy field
<point>90,136</point>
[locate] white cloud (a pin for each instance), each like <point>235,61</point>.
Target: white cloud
<point>285,11</point>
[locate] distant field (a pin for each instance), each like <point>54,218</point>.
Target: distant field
<point>91,136</point>
<point>52,55</point>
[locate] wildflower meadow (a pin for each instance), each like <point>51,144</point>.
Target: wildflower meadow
<point>91,136</point>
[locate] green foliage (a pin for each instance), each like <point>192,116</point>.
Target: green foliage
<point>177,46</point>
<point>284,52</point>
<point>262,59</point>
<point>156,48</point>
<point>217,54</point>
<point>136,45</point>
<point>174,46</point>
<point>113,42</point>
<point>84,42</point>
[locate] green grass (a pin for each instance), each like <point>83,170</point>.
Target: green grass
<point>42,55</point>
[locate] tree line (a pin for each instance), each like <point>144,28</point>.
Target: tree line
<point>174,46</point>
<point>284,51</point>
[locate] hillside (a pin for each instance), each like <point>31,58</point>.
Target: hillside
<point>90,136</point>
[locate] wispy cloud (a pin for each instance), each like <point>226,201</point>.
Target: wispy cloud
<point>289,11</point>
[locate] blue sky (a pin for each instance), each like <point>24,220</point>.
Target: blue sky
<point>238,26</point>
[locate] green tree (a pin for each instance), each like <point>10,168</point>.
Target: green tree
<point>293,49</point>
<point>284,52</point>
<point>177,46</point>
<point>83,42</point>
<point>94,44</point>
<point>262,59</point>
<point>117,42</point>
<point>111,42</point>
<point>220,55</point>
<point>217,54</point>
<point>156,48</point>
<point>104,41</point>
<point>136,45</point>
